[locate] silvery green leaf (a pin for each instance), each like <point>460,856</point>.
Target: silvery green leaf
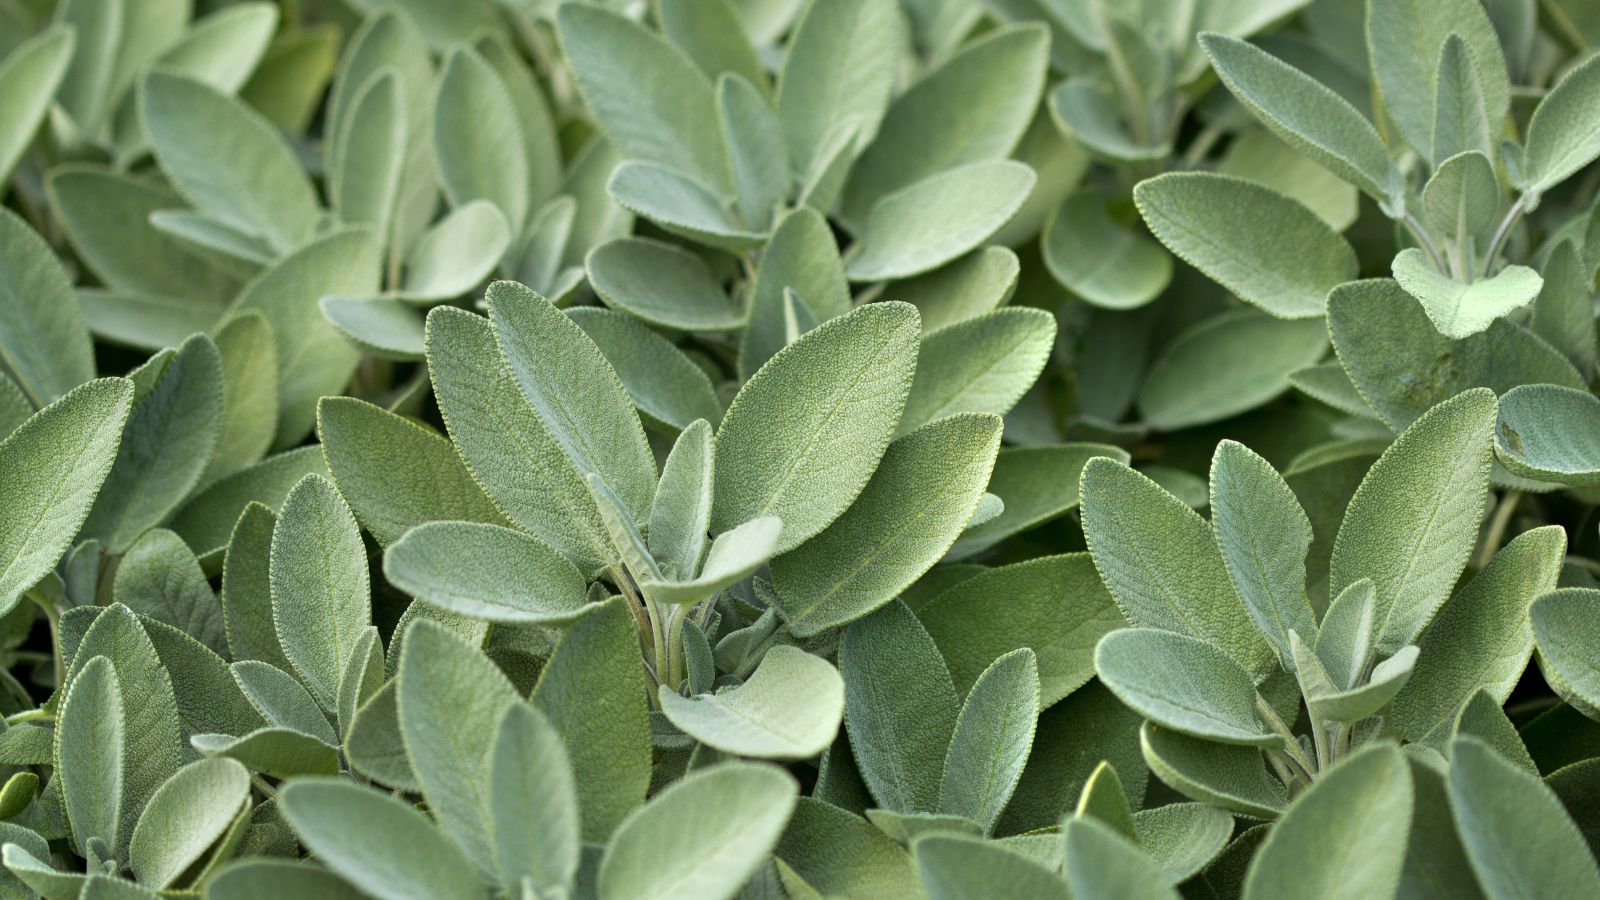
<point>364,184</point>
<point>377,841</point>
<point>1105,800</point>
<point>43,340</point>
<point>208,518</point>
<point>457,254</point>
<point>680,514</point>
<point>908,828</point>
<point>373,745</point>
<point>246,589</point>
<point>382,327</point>
<point>29,76</point>
<point>972,107</point>
<point>667,388</point>
<point>714,35</point>
<point>487,572</point>
<point>223,48</point>
<point>663,284</point>
<point>229,246</point>
<point>900,707</point>
<point>702,837</point>
<point>561,371</point>
<point>1264,536</point>
<point>930,222</point>
<point>1089,114</point>
<point>1405,40</point>
<point>1562,133</point>
<point>67,449</point>
<point>1462,200</point>
<point>249,395</point>
<point>1345,642</point>
<point>534,804</point>
<point>1360,701</point>
<point>1161,562</point>
<point>262,878</point>
<point>953,867</point>
<point>993,735</point>
<point>1563,624</point>
<point>1383,335</point>
<point>1562,313</point>
<point>651,101</point>
<point>1460,310</point>
<point>321,596</point>
<point>1413,522</point>
<point>281,700</point>
<point>1230,776</point>
<point>1262,157</point>
<point>1054,605</point>
<point>1184,684</point>
<point>1186,387</point>
<point>1545,433</point>
<point>975,284</point>
<point>982,365</point>
<point>598,663</point>
<point>681,205</point>
<point>1483,718</point>
<point>159,577</point>
<point>1481,638</point>
<point>394,473</point>
<point>1364,804</point>
<point>186,120</point>
<point>1435,860</point>
<point>36,872</point>
<point>1268,249</point>
<point>362,677</point>
<point>1102,863</point>
<point>754,137</point>
<point>90,751</point>
<point>538,258</point>
<point>1517,835</point>
<point>735,555</point>
<point>477,139</point>
<point>1183,838</point>
<point>1460,113</point>
<point>918,500</point>
<point>801,258</point>
<point>790,708</point>
<point>505,443</point>
<point>1036,484</point>
<point>1309,116</point>
<point>840,67</point>
<point>805,433</point>
<point>185,817</point>
<point>1105,263</point>
<point>840,852</point>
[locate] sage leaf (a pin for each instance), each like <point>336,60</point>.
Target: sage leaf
<point>932,221</point>
<point>735,555</point>
<point>1462,199</point>
<point>282,700</point>
<point>1036,484</point>
<point>1563,626</point>
<point>249,395</point>
<point>534,803</point>
<point>992,737</point>
<point>1461,114</point>
<point>486,572</point>
<point>185,817</point>
<point>29,77</point>
<point>90,750</point>
<point>1104,262</point>
<point>1230,776</point>
<point>1185,387</point>
<point>790,708</point>
<point>1102,863</point>
<point>680,514</point>
<point>1002,354</point>
<point>490,164</point>
<point>1182,683</point>
<point>662,284</point>
<point>800,257</point>
<point>840,67</point>
<point>1544,434</point>
<point>159,577</point>
<point>1405,41</point>
<point>44,344</point>
<point>454,256</point>
<point>1460,310</point>
<point>1561,134</point>
<point>666,387</point>
<point>953,867</point>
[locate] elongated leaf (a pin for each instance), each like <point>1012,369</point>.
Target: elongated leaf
<point>454,256</point>
<point>756,148</point>
<point>534,805</point>
<point>667,388</point>
<point>661,284</point>
<point>1267,249</point>
<point>321,597</point>
<point>803,436</point>
<point>917,502</point>
<point>29,77</point>
<point>1413,522</point>
<point>840,68</point>
<point>281,700</point>
<point>44,344</point>
<point>1185,386</point>
<point>954,867</point>
<point>1562,132</point>
<point>1036,484</point>
<point>487,572</point>
<point>1105,262</point>
<point>1546,432</point>
<point>789,709</point>
<point>992,737</point>
<point>249,395</point>
<point>930,222</point>
<point>1362,807</point>
<point>1182,683</point>
<point>734,556</point>
<point>1563,624</point>
<point>1102,863</point>
<point>1460,111</point>
<point>680,515</point>
<point>1462,199</point>
<point>1406,40</point>
<point>207,520</point>
<point>801,257</point>
<point>1230,776</point>
<point>159,577</point>
<point>377,841</point>
<point>364,182</point>
<point>477,138</point>
<point>681,205</point>
<point>185,817</point>
<point>91,747</point>
<point>982,365</point>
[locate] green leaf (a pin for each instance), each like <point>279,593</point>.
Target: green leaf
<point>841,853</point>
<point>1101,863</point>
<point>171,434</point>
<point>1036,484</point>
<point>207,520</point>
<point>185,817</point>
<point>279,752</point>
<point>1459,310</point>
<point>982,365</point>
<point>680,514</point>
<point>1183,838</point>
<point>29,76</point>
<point>1405,42</point>
<point>1103,261</point>
<point>89,756</point>
<point>900,707</point>
<point>1546,433</point>
<point>992,737</point>
<point>313,357</point>
<point>1161,562</point>
<point>598,665</point>
<point>1344,644</point>
<point>932,221</point>
<point>714,35</point>
<point>975,284</point>
<point>923,493</point>
<point>249,395</point>
<point>1267,249</point>
<point>1264,536</point>
<point>263,878</point>
<point>955,867</point>
<point>1518,837</point>
<point>839,71</point>
<point>1481,638</point>
<point>1462,199</point>
<point>703,837</point>
<point>735,555</point>
<point>973,107</point>
<point>395,473</point>
<point>1402,366</point>
<point>680,205</point>
<point>1435,860</point>
<point>373,744</point>
<point>451,698</point>
<point>159,577</point>
<point>246,589</point>
<point>534,804</point>
<point>44,345</point>
<point>1230,776</point>
<point>1344,837</point>
<point>377,841</point>
<point>800,257</point>
<point>321,597</point>
<point>1309,116</point>
<point>505,444</point>
<point>1460,112</point>
<point>1562,314</point>
<point>1562,132</point>
<point>1414,521</point>
<point>756,148</point>
<point>187,120</point>
<point>478,139</point>
<point>1259,155</point>
<point>208,698</point>
<point>281,700</point>
<point>662,284</point>
<point>667,388</point>
<point>789,709</point>
<point>651,101</point>
<point>457,254</point>
<point>486,572</point>
<point>804,435</point>
<point>1186,387</point>
<point>1054,605</point>
<point>67,449</point>
<point>1184,684</point>
<point>1563,624</point>
<point>561,371</point>
<point>1360,701</point>
<point>364,181</point>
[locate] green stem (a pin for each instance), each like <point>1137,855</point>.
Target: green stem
<point>53,616</point>
<point>1421,234</point>
<point>1503,232</point>
<point>1291,743</point>
<point>1497,527</point>
<point>30,715</point>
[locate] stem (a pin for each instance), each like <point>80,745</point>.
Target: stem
<point>1291,743</point>
<point>1201,145</point>
<point>261,785</point>
<point>1319,739</point>
<point>1497,526</point>
<point>30,715</point>
<point>1421,234</point>
<point>1502,232</point>
<point>53,616</point>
